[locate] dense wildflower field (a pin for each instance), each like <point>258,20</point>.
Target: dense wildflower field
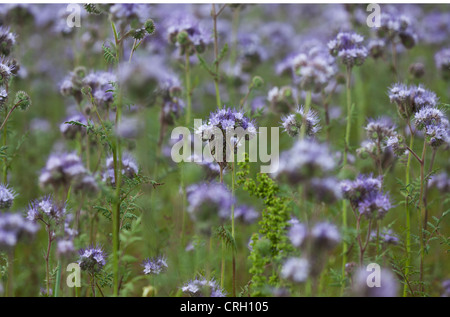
<point>214,150</point>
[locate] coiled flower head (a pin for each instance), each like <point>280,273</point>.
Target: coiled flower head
<point>225,131</point>
<point>365,195</point>
<point>434,124</point>
<point>7,196</point>
<point>155,266</point>
<point>22,100</point>
<point>202,287</point>
<point>7,70</point>
<point>397,28</point>
<point>92,259</point>
<point>7,41</point>
<point>186,32</point>
<point>349,48</point>
<point>62,170</point>
<point>46,209</point>
<point>102,86</point>
<point>315,69</point>
<point>292,123</point>
<point>13,228</point>
<point>410,99</point>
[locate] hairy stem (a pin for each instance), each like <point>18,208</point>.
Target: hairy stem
<point>408,216</point>
<point>344,165</point>
<point>422,215</point>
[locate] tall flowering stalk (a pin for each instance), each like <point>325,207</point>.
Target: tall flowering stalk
<point>366,200</point>
<point>225,131</point>
<point>348,47</point>
<point>314,69</point>
<point>418,106</point>
<point>122,16</point>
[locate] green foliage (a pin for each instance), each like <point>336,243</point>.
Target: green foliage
<point>109,54</point>
<point>271,244</point>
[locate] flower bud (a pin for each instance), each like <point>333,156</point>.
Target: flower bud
<point>23,101</point>
<point>183,37</point>
<point>149,26</point>
<point>257,82</point>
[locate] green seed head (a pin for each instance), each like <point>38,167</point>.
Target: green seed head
<point>23,101</point>
<point>149,26</point>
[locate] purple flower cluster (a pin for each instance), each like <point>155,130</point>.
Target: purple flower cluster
<point>64,170</point>
<point>202,287</point>
<point>101,85</point>
<point>46,209</point>
<point>365,195</point>
<point>382,140</point>
<point>386,236</point>
<point>315,69</point>
<point>188,34</point>
<point>92,259</point>
<point>446,288</point>
<point>305,160</point>
<point>434,124</point>
<point>13,228</point>
<point>395,29</point>
<point>246,214</point>
<point>7,40</point>
<point>129,168</point>
<point>7,196</point>
<point>225,131</point>
<point>292,123</point>
<point>296,269</point>
<point>8,68</point>
<point>322,236</point>
<point>207,200</point>
<point>155,266</point>
<point>410,99</point>
<point>71,130</point>
<point>349,48</point>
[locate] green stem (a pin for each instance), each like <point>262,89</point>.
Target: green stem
<point>222,267</point>
<point>58,279</point>
<point>408,217</point>
<point>344,165</point>
<point>117,159</point>
<point>116,215</point>
<point>305,114</point>
<point>5,138</point>
<point>422,214</point>
<point>10,283</point>
<point>188,89</point>
<point>349,109</point>
<point>232,226</point>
